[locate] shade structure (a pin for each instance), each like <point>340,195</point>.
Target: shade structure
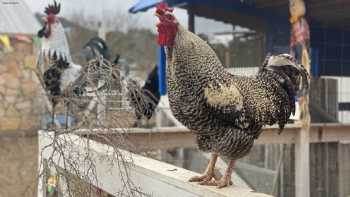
<point>16,18</point>
<point>143,5</point>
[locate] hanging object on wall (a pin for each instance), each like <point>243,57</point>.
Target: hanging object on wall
<point>300,32</point>
<point>299,47</point>
<point>296,9</point>
<point>23,38</point>
<point>6,43</point>
<point>52,185</point>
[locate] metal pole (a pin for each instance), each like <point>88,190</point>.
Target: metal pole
<point>191,19</point>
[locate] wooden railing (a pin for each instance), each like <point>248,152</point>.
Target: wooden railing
<point>152,177</point>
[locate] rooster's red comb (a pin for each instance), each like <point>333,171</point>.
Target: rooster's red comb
<point>53,9</point>
<point>162,8</point>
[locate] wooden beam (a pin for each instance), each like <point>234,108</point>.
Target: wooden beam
<point>180,137</point>
<point>148,175</point>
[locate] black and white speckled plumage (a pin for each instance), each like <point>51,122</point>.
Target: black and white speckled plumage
<point>225,112</point>
<point>144,100</point>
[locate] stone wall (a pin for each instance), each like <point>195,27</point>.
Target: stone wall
<point>20,106</point>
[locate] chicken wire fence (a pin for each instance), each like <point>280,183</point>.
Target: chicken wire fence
<point>331,59</point>
<point>237,52</point>
<point>103,106</point>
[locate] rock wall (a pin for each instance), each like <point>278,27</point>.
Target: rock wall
<point>20,103</point>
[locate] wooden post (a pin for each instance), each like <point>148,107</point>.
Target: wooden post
<point>302,163</point>
<point>302,145</point>
<point>300,36</point>
<point>191,20</point>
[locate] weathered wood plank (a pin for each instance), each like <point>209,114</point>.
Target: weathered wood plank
<point>151,176</point>
<point>302,164</point>
<point>344,168</point>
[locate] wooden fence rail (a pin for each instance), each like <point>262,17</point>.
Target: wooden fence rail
<point>153,177</point>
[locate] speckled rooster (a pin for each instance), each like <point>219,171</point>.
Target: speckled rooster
<point>226,112</point>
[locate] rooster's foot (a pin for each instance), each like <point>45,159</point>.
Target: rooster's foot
<point>224,182</point>
<point>206,178</point>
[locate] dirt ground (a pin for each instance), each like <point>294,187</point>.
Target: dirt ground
<point>18,166</point>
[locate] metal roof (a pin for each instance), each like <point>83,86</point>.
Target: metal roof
<point>329,13</point>
<point>328,20</point>
<point>17,18</point>
<point>143,5</point>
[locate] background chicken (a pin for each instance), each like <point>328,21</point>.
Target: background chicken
<point>226,112</point>
<point>96,47</point>
<point>145,99</point>
<point>62,72</point>
<point>64,78</point>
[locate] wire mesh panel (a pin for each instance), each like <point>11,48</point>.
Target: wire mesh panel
<point>239,47</point>
<point>101,105</point>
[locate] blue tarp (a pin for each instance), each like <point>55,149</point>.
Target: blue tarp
<point>47,120</point>
<point>143,5</point>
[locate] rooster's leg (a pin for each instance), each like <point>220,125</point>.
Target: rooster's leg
<point>53,116</point>
<point>66,114</point>
<point>206,179</point>
<point>226,179</point>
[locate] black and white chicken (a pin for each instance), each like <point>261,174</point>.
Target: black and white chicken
<point>225,112</point>
<point>62,73</point>
<point>144,100</point>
